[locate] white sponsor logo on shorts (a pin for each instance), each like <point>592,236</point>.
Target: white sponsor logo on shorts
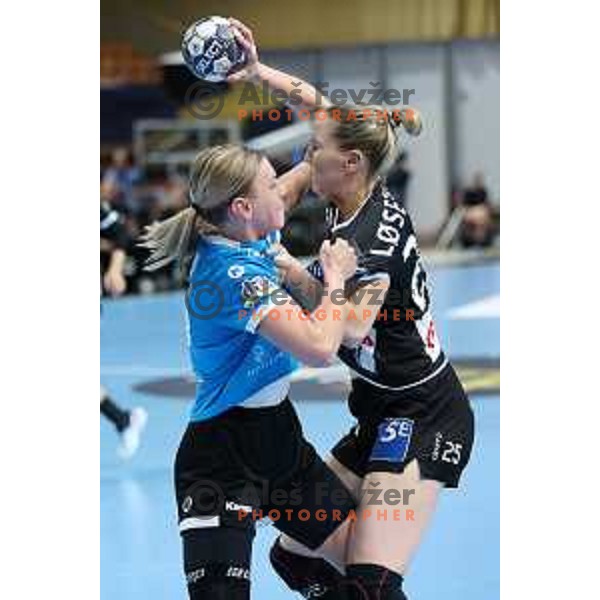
<point>235,507</point>
<point>186,504</point>
<point>238,573</point>
<point>438,444</point>
<point>316,590</point>
<point>196,575</point>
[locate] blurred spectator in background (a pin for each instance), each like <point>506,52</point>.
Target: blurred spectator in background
<point>398,178</point>
<point>476,194</point>
<point>122,174</point>
<point>156,199</point>
<point>478,222</point>
<point>110,190</point>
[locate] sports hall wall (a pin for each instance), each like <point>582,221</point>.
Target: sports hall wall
<point>446,50</point>
<point>457,88</point>
<point>151,24</point>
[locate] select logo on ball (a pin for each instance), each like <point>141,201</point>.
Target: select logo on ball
<point>210,49</point>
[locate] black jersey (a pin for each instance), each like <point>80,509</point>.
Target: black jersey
<point>111,225</point>
<point>112,229</point>
<point>402,349</point>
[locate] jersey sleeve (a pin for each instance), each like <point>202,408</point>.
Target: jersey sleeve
<point>370,268</point>
<point>315,269</point>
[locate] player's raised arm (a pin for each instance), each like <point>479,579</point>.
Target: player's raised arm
<point>295,183</point>
<point>301,94</point>
<point>294,87</point>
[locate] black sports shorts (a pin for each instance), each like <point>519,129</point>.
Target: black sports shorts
<point>248,464</point>
<point>432,423</point>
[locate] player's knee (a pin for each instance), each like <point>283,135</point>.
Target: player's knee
<point>371,582</point>
<point>311,577</point>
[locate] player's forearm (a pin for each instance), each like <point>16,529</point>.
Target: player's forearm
<point>117,261</point>
<point>314,340</point>
<point>301,94</point>
<point>294,184</point>
<point>302,286</point>
<point>331,317</point>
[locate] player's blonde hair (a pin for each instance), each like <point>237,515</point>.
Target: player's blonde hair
<point>218,175</point>
<point>373,130</point>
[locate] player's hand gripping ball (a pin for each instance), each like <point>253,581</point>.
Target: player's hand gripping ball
<point>211,50</point>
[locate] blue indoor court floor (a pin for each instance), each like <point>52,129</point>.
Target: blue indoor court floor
<point>144,362</point>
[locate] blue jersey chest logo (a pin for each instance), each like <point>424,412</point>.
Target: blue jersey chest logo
<point>393,440</point>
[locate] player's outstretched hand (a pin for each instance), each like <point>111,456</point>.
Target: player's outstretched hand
<point>338,256</point>
<point>243,35</point>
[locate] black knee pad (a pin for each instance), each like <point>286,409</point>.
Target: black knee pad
<point>371,582</point>
<point>217,564</point>
<point>311,577</point>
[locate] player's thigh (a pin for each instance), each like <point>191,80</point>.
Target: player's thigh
<point>334,548</point>
<point>315,501</point>
<point>393,514</point>
<point>351,480</point>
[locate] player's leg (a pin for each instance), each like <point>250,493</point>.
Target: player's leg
<point>118,416</point>
<point>381,543</point>
<point>216,543</point>
<point>334,548</point>
<point>129,423</point>
<point>217,563</point>
<point>392,517</point>
<point>317,507</point>
<point>320,570</point>
<point>421,447</point>
<point>310,576</point>
<point>377,547</point>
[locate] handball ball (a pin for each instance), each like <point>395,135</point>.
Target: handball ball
<point>210,49</point>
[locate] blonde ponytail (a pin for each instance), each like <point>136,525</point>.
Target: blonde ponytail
<point>171,240</point>
<point>410,119</point>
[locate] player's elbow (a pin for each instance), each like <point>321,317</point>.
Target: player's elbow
<point>353,339</point>
<point>322,354</point>
<point>356,334</point>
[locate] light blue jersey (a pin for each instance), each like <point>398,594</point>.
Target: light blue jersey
<point>230,292</point>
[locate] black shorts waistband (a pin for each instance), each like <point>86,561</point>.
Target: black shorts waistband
<point>369,402</point>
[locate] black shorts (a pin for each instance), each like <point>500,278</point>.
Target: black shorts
<point>432,423</point>
<point>250,463</point>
